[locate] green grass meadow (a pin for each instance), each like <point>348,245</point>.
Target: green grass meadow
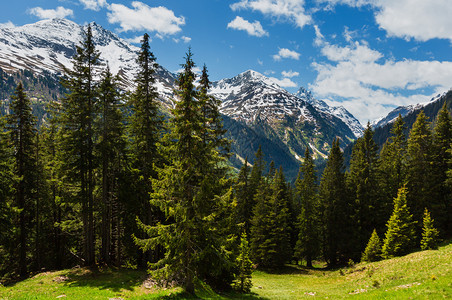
<point>420,275</point>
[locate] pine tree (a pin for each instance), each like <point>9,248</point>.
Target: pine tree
<point>373,248</point>
<point>188,192</point>
<point>78,113</point>
<point>363,183</point>
<point>110,149</point>
<point>242,281</point>
<point>257,171</point>
<point>392,165</point>
<point>400,235</point>
<point>8,247</point>
<point>307,246</point>
<point>335,208</point>
<point>145,128</point>
<point>271,224</point>
<point>244,199</point>
<point>440,204</point>
<point>420,175</point>
<point>261,225</point>
<point>21,125</point>
<point>429,233</point>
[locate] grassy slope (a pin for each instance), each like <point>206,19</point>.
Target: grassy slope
<point>420,275</point>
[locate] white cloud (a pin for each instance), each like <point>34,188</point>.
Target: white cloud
<point>254,29</point>
<point>286,53</point>
<point>59,12</point>
<point>8,24</point>
<point>285,82</point>
<point>135,40</point>
<point>289,74</point>
<point>369,86</point>
<point>419,19</point>
<point>143,17</point>
<point>95,5</point>
<point>186,39</point>
<point>283,10</point>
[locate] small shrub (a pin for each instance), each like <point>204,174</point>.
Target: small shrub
<point>429,233</point>
<point>373,248</point>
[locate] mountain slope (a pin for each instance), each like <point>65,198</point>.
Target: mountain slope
<point>271,111</point>
<point>404,111</point>
<point>338,111</point>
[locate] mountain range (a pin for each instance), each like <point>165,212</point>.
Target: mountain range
<point>256,111</point>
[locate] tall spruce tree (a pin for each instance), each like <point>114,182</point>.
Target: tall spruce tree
<point>187,192</point>
<point>21,125</point>
<point>392,165</point>
<point>335,209</point>
<point>110,150</point>
<point>78,113</point>
<point>308,243</point>
<point>145,128</point>
<point>420,177</point>
<point>440,206</point>
<point>244,199</point>
<point>362,181</point>
<point>400,236</point>
<point>7,244</point>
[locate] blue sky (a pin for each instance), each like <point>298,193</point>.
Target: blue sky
<point>367,55</point>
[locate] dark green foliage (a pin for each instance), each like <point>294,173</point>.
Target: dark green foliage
<point>335,209</point>
<point>21,127</point>
<point>8,247</point>
<point>373,248</point>
<point>429,233</point>
<point>189,191</point>
<point>400,236</point>
<point>145,129</point>
<point>110,148</point>
<point>440,204</point>
<point>392,165</point>
<point>271,225</point>
<point>78,111</point>
<point>419,168</point>
<point>308,243</point>
<point>363,184</point>
<point>242,281</point>
<point>244,199</point>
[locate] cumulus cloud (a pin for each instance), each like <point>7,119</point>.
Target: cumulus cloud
<point>254,29</point>
<point>289,74</point>
<point>418,19</point>
<point>143,17</point>
<point>8,24</point>
<point>186,39</point>
<point>135,40</point>
<point>59,12</point>
<point>369,85</point>
<point>286,53</point>
<point>285,82</point>
<point>95,5</point>
<point>282,10</point>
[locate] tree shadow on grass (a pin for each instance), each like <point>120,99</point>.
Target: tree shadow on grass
<point>113,280</point>
<point>204,295</point>
<point>289,270</point>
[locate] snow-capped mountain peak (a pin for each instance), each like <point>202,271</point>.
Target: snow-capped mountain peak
<point>403,111</point>
<point>338,111</point>
<point>49,45</point>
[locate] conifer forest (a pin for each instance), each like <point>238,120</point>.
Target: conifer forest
<point>112,179</point>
